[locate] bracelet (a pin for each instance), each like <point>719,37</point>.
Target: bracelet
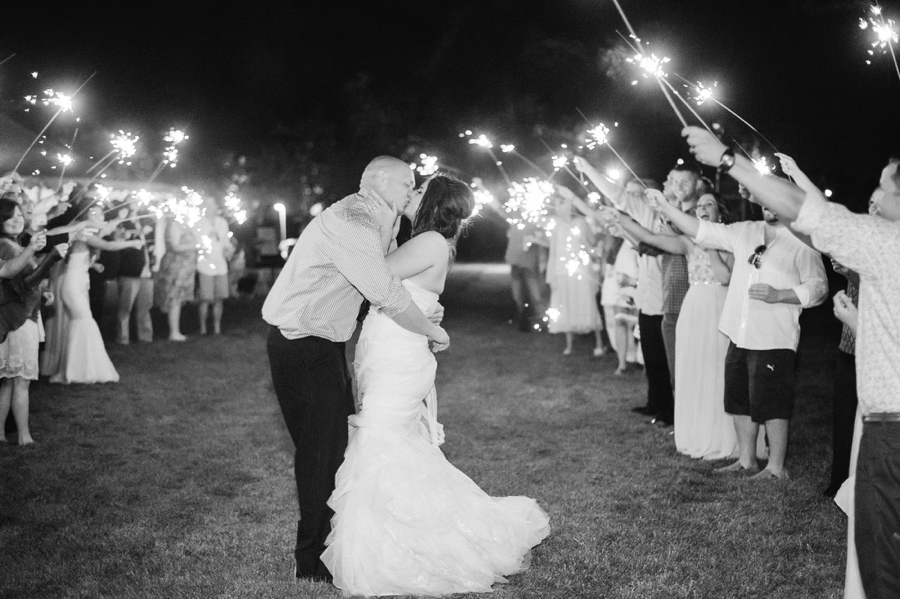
<point>726,162</point>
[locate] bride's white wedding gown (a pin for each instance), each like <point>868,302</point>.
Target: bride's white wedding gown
<point>406,521</point>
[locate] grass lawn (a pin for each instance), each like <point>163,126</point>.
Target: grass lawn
<point>178,481</point>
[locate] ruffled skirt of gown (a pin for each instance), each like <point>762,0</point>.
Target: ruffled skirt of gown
<point>406,521</point>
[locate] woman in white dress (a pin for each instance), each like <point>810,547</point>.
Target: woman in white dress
<point>702,427</point>
<point>84,358</point>
<point>406,521</point>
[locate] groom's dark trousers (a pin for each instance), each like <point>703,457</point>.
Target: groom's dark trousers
<point>313,389</point>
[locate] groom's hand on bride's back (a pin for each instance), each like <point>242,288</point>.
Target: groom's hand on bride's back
<point>440,340</point>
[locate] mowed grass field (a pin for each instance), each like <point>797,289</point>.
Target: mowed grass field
<point>178,481</point>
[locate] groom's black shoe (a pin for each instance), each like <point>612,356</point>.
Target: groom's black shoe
<point>319,574</point>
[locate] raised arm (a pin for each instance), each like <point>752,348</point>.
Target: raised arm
<point>607,186</point>
<point>14,265</point>
<point>685,222</point>
<point>674,244</point>
<point>778,195</point>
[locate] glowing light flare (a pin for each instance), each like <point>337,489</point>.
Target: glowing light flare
<point>530,199</point>
<point>650,64</point>
<point>553,314</point>
<point>762,166</point>
<point>429,165</point>
<point>482,141</point>
<point>64,159</point>
<point>613,173</point>
<point>125,145</point>
<point>560,162</point>
<point>884,29</point>
<point>703,93</point>
<point>507,148</point>
<point>234,207</point>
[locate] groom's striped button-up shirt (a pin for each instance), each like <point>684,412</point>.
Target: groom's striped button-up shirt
<point>336,263</point>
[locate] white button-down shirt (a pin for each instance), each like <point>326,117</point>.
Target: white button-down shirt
<point>337,261</point>
<point>787,263</point>
<point>870,246</point>
<point>649,295</point>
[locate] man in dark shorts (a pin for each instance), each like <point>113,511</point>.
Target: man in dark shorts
<point>775,276</point>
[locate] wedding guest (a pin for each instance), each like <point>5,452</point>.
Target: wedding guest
<point>618,300</point>
<point>175,284</point>
<point>702,427</point>
<point>135,283</point>
<point>105,267</point>
<point>573,283</point>
<point>523,254</point>
<point>19,351</point>
<point>212,263</point>
<point>761,315</point>
<point>649,296</point>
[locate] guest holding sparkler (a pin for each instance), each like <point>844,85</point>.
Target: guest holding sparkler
<point>84,358</point>
<point>524,255</point>
<point>214,253</point>
<point>573,283</point>
<point>135,282</point>
<point>702,428</point>
<point>19,350</point>
<point>649,296</point>
<point>175,284</point>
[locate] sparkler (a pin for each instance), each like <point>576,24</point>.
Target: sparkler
<point>885,34</point>
<point>234,207</point>
<point>529,199</point>
<point>762,166</point>
<point>173,138</point>
<point>651,64</point>
<point>600,137</point>
<point>429,165</point>
<point>64,104</point>
<point>485,143</point>
<point>704,94</point>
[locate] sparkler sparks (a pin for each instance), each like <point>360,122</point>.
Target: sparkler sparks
<point>64,159</point>
<point>703,93</point>
<point>507,148</point>
<point>599,136</point>
<point>125,145</point>
<point>529,199</point>
<point>429,165</point>
<point>482,141</point>
<point>482,199</point>
<point>173,138</point>
<point>885,34</point>
<point>560,162</point>
<point>234,207</point>
<point>651,65</point>
<point>762,166</point>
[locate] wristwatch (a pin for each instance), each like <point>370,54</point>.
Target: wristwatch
<point>726,162</point>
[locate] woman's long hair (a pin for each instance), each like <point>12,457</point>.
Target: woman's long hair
<point>7,211</point>
<point>447,203</point>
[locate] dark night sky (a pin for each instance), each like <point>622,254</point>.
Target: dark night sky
<point>516,69</point>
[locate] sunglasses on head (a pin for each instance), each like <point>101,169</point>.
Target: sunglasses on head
<point>756,256</point>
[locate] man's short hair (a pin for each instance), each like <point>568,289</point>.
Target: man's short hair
<point>689,167</point>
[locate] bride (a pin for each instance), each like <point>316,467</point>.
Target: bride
<point>406,521</point>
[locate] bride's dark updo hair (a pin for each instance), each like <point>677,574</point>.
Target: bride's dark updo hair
<point>447,202</point>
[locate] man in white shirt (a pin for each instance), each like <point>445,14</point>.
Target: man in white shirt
<point>870,246</point>
<point>775,276</point>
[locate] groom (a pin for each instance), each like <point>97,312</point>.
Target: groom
<point>338,261</point>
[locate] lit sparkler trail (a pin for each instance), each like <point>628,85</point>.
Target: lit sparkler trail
<point>885,34</point>
<point>234,207</point>
<point>529,199</point>
<point>563,162</point>
<point>706,93</point>
<point>173,138</point>
<point>485,143</point>
<point>687,104</point>
<point>650,64</point>
<point>762,166</point>
<point>600,137</point>
<point>511,149</point>
<point>429,165</point>
<point>64,103</point>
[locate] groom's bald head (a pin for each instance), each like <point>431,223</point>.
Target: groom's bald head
<point>391,178</point>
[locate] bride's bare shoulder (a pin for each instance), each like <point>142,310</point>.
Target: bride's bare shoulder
<point>430,242</point>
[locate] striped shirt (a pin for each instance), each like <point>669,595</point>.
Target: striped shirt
<point>338,261</point>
